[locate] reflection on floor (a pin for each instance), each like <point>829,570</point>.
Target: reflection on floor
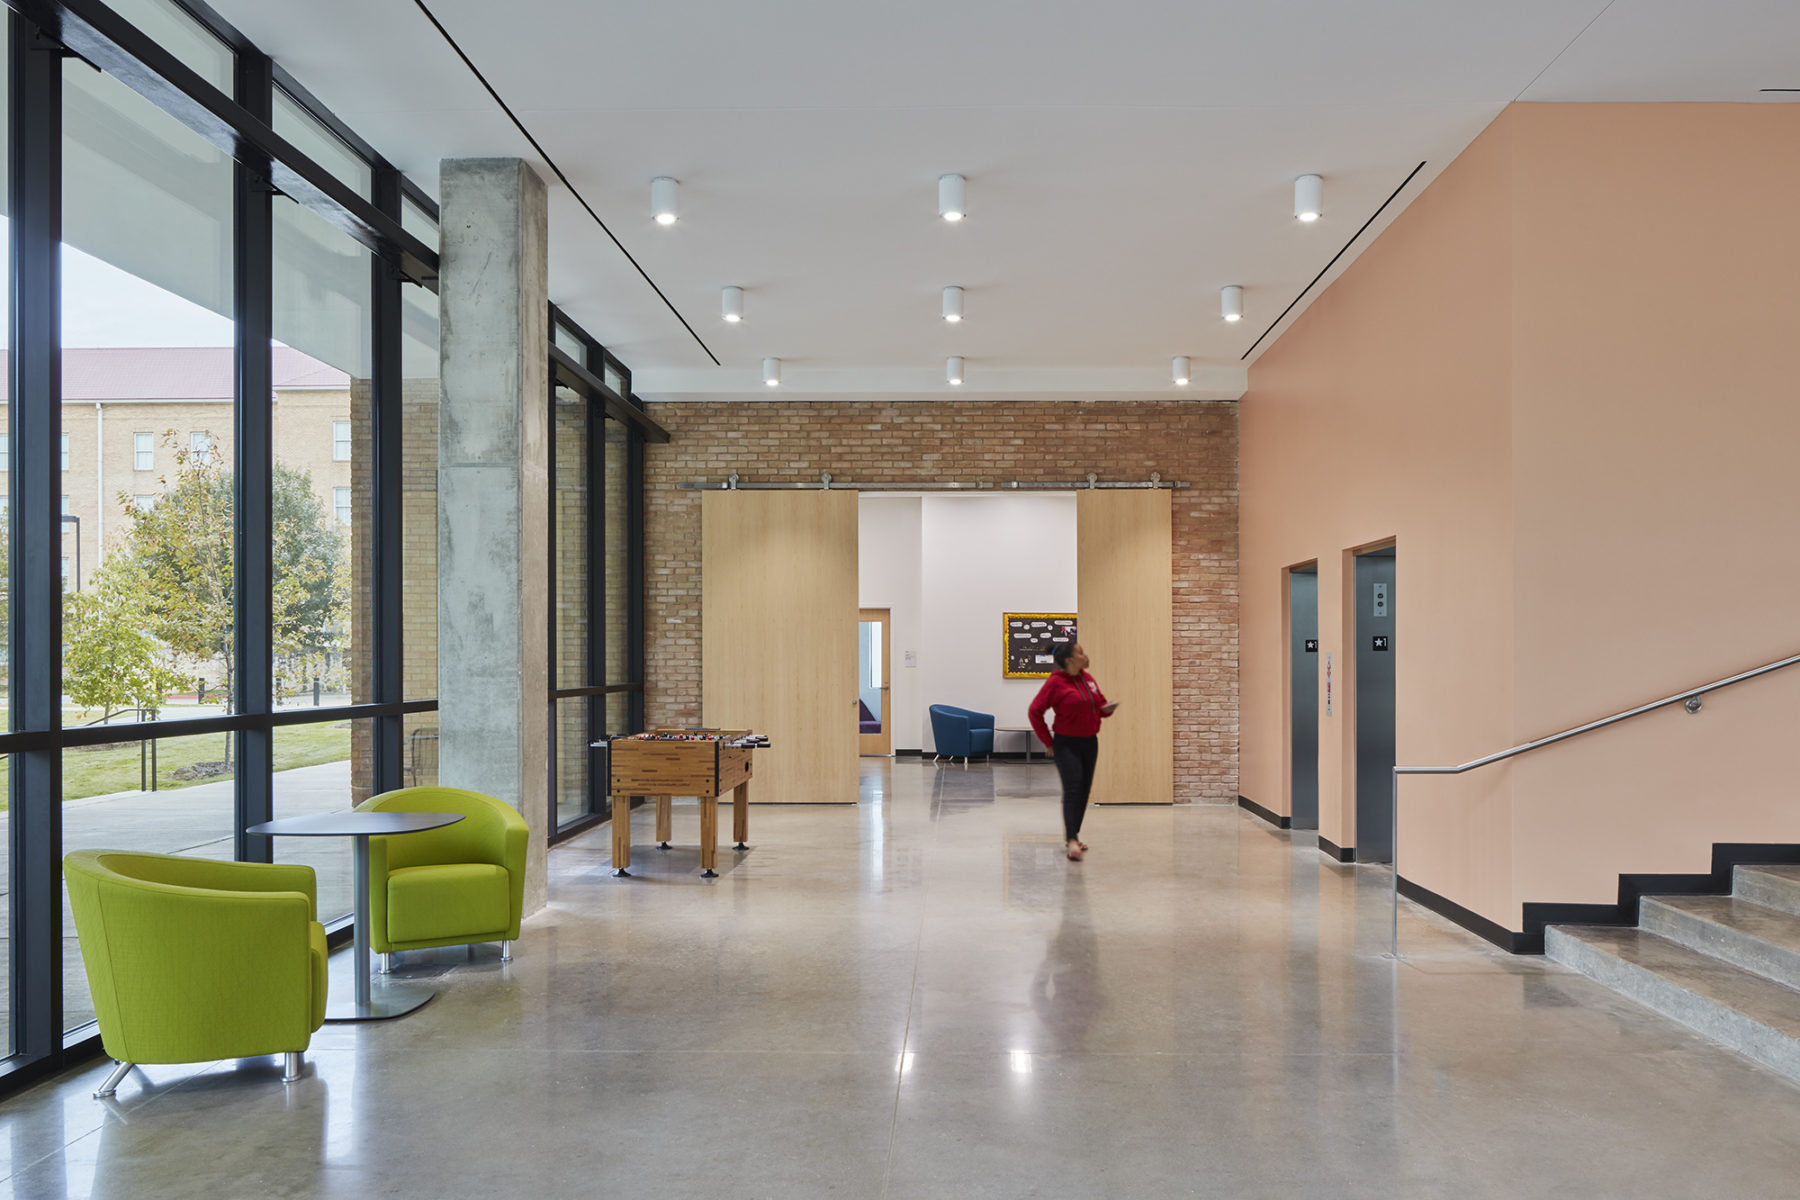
<point>919,997</point>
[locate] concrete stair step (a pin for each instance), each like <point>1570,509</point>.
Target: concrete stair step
<point>1740,1009</point>
<point>1742,932</point>
<point>1774,886</point>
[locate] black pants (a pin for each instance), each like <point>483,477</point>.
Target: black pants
<point>1075,758</point>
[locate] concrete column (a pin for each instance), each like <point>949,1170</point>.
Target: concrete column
<point>493,493</point>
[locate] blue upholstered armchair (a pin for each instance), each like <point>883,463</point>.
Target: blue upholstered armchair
<point>959,733</point>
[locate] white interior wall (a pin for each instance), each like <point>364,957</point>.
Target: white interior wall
<point>888,577</point>
<point>948,567</point>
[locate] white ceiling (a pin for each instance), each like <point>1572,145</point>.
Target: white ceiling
<point>1125,160</point>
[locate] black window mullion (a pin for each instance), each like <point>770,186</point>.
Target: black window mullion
<point>555,658</point>
<point>252,268</point>
<point>35,207</point>
<point>596,591</point>
<point>387,573</point>
<point>634,578</point>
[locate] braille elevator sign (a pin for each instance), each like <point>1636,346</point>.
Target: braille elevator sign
<point>1312,645</point>
<point>1381,644</point>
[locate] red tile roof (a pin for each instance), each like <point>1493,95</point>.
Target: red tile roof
<point>174,373</point>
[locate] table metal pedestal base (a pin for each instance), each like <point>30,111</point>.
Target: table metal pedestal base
<point>383,1004</point>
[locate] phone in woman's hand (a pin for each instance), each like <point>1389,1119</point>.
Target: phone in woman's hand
<point>1106,710</point>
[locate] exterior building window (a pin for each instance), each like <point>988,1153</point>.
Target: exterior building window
<point>201,445</point>
<point>340,498</point>
<point>5,451</point>
<point>143,503</point>
<point>65,451</point>
<point>340,441</point>
<point>143,452</point>
<point>65,572</point>
<point>65,506</point>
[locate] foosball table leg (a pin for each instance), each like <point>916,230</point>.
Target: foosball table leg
<point>665,828</point>
<point>740,815</point>
<point>709,836</point>
<point>621,836</point>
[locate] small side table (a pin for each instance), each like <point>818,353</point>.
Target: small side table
<point>1030,736</point>
<point>394,999</point>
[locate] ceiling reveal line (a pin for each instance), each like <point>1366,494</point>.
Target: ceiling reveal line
<point>1315,279</point>
<point>551,162</point>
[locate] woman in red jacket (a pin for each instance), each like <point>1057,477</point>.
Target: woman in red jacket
<point>1071,693</point>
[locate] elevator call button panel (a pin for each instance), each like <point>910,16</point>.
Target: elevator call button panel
<point>1381,599</point>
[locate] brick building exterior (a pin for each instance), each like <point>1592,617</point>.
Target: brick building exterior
<point>794,441</point>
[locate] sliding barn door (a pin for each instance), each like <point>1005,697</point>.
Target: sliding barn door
<point>1126,621</point>
<point>778,636</point>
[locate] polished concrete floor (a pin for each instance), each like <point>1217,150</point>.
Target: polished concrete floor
<point>918,996</point>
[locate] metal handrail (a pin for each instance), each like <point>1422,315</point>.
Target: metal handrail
<point>1688,698</point>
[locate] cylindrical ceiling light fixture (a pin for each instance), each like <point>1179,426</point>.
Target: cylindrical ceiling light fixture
<point>953,304</point>
<point>1309,197</point>
<point>1178,370</point>
<point>731,304</point>
<point>951,195</point>
<point>772,371</point>
<point>1231,302</point>
<point>953,370</point>
<point>663,200</point>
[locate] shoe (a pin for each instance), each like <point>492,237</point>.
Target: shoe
<point>1075,854</point>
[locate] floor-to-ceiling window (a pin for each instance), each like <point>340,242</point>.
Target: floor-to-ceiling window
<point>595,572</point>
<point>6,539</point>
<point>218,479</point>
<point>149,629</point>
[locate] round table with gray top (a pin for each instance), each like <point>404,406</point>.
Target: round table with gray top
<point>393,1000</point>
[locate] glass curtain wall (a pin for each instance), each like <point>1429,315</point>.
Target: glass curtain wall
<point>149,624</point>
<point>322,523</point>
<point>6,539</point>
<point>418,513</point>
<point>218,500</point>
<point>596,615</point>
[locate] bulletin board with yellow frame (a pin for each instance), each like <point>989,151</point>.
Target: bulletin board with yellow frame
<point>1028,641</point>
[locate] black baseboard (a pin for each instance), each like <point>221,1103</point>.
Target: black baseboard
<point>1470,920</point>
<point>1252,806</point>
<point>1342,854</point>
<point>1726,856</point>
<point>908,753</point>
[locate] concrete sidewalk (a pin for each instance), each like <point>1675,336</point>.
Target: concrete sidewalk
<point>196,821</point>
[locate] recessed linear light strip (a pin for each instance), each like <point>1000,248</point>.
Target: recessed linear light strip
<point>545,155</point>
<point>1315,279</point>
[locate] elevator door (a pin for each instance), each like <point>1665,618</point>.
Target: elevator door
<point>1375,649</point>
<point>1303,689</point>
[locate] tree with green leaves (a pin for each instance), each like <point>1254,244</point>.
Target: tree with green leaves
<point>181,555</point>
<point>111,661</point>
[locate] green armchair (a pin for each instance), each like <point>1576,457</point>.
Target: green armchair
<point>453,886</point>
<point>192,960</point>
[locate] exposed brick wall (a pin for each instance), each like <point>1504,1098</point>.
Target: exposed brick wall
<point>874,440</point>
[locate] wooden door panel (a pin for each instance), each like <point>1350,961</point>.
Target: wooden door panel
<point>1124,586</point>
<point>778,635</point>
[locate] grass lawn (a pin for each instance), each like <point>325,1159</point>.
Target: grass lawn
<point>105,769</point>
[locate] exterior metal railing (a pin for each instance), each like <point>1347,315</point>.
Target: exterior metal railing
<point>1688,698</point>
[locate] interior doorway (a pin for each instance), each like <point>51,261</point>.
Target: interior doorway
<point>875,718</point>
<point>1303,696</point>
<point>1375,650</point>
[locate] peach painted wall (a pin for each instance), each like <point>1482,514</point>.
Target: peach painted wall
<point>1656,423</point>
<point>1384,413</point>
<point>1563,381</point>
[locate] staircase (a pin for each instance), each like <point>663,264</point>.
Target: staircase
<point>1725,966</point>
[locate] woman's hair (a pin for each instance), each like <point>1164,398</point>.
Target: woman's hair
<point>1060,655</point>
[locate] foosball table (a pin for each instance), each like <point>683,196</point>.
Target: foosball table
<point>665,763</point>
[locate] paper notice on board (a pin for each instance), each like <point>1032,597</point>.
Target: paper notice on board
<point>1328,685</point>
